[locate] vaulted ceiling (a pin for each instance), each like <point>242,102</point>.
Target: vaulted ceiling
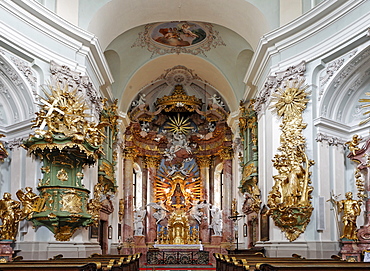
<point>236,28</point>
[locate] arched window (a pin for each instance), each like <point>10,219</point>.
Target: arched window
<point>137,186</point>
<point>218,183</point>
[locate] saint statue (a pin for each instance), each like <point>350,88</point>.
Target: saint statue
<point>351,210</point>
<point>139,215</point>
<point>216,223</point>
<point>29,200</point>
<point>10,215</point>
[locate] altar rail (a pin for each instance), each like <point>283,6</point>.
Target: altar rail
<point>177,257</point>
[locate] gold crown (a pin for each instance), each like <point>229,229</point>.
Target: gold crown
<point>179,101</point>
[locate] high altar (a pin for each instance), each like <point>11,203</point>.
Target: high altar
<point>184,144</point>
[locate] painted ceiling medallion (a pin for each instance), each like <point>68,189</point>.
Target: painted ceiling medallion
<point>178,37</point>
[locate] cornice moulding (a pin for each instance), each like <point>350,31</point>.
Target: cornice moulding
<point>313,21</point>
<point>323,122</point>
<point>19,129</point>
<point>65,33</point>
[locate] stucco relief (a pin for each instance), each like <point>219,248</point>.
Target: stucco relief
<point>331,140</point>
<point>330,70</point>
<point>273,82</point>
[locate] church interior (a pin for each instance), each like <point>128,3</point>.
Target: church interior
<point>183,131</point>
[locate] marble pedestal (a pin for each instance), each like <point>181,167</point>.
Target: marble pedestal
<point>6,251</point>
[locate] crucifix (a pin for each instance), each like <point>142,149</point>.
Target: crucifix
<point>235,217</point>
<point>51,108</point>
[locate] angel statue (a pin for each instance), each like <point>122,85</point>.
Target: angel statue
<point>10,215</point>
<point>29,201</point>
<point>196,212</point>
<point>160,212</point>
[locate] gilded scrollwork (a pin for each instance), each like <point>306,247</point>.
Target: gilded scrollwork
<point>62,175</point>
<point>289,199</point>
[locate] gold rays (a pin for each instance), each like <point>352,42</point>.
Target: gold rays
<point>290,100</point>
<point>179,124</point>
<point>365,106</point>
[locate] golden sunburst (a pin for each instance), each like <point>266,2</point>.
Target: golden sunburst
<point>179,124</point>
<point>364,106</point>
<point>290,100</point>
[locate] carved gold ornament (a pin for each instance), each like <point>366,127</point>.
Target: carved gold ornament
<point>289,199</point>
<point>62,175</point>
<point>63,113</point>
<point>179,101</point>
<point>71,203</point>
<point>64,233</point>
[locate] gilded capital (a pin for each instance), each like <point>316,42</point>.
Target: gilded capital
<point>204,161</point>
<point>152,162</point>
<point>226,153</point>
<point>130,153</point>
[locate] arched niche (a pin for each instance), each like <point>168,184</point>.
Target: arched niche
<point>204,89</point>
<point>17,91</point>
<point>340,108</point>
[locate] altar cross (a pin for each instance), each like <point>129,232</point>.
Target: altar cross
<point>52,108</point>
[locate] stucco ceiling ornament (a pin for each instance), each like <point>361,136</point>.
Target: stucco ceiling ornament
<point>179,37</point>
<point>289,200</point>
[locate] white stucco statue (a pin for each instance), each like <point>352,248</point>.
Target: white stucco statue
<point>139,215</point>
<point>217,100</point>
<point>161,210</point>
<point>141,100</point>
<point>216,223</point>
<point>196,210</point>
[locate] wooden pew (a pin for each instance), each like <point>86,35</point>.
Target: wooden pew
<point>100,263</point>
<point>239,263</point>
<point>47,266</point>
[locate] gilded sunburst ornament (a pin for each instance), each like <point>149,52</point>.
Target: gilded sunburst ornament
<point>365,106</point>
<point>179,124</point>
<point>290,100</point>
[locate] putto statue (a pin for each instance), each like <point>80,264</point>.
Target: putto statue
<point>350,210</point>
<point>10,215</point>
<point>139,216</point>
